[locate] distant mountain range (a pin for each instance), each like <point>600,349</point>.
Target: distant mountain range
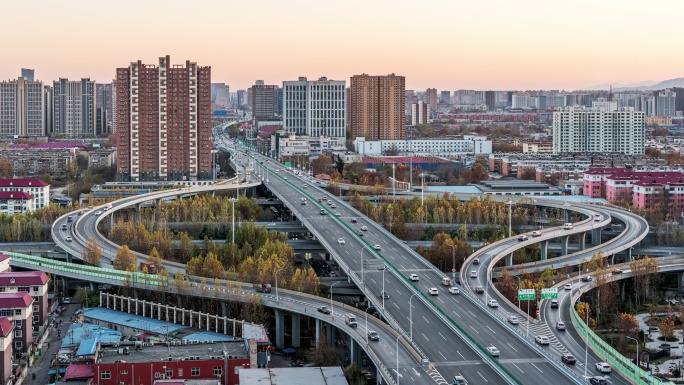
<point>641,86</point>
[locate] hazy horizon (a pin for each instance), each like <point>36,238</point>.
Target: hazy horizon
<point>443,44</point>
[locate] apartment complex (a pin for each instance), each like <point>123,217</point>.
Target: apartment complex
<point>378,107</point>
<point>22,108</point>
<point>163,121</point>
<point>264,98</point>
<point>537,147</point>
<point>6,338</point>
<point>73,108</point>
<point>420,113</point>
<point>18,308</point>
<point>104,104</point>
<point>600,129</point>
<point>315,108</point>
<point>36,284</point>
<point>469,145</point>
<point>37,189</point>
<point>431,98</point>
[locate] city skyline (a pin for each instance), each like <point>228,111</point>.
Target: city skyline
<point>448,45</point>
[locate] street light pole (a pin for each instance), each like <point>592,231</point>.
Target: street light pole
<point>394,183</point>
<point>362,274</point>
<point>276,279</point>
<point>399,336</point>
<point>586,342</point>
<point>368,308</point>
<point>411,317</point>
<point>422,191</point>
<point>509,203</point>
<point>233,200</point>
<point>637,345</point>
<point>453,258</point>
<point>332,310</point>
<point>383,287</point>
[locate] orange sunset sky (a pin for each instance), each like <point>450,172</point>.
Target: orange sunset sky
<point>450,45</point>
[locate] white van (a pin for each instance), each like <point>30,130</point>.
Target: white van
<point>568,226</point>
<point>446,281</point>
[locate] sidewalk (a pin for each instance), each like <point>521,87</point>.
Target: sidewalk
<point>42,365</point>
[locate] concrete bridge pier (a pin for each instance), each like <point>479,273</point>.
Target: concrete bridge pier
<point>680,284</point>
<point>595,236</point>
<point>509,259</point>
<point>568,216</point>
<point>330,334</point>
<point>319,325</point>
<point>111,221</point>
<point>564,245</point>
<point>280,328</point>
<point>295,330</point>
<point>354,352</point>
<point>582,241</point>
<point>544,249</point>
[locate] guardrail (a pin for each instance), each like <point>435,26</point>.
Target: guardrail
<point>619,362</point>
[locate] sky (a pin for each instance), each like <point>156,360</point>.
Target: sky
<point>448,45</point>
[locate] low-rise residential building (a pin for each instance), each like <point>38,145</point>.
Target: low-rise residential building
<point>537,147</point>
<point>38,190</point>
<point>102,157</point>
<point>38,162</point>
<point>16,202</point>
<point>36,284</point>
<point>18,308</point>
<point>448,148</point>
<point>6,338</point>
<point>293,145</point>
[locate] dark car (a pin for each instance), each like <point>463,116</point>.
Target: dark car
<point>479,290</point>
<point>554,304</point>
<point>568,359</point>
<point>373,335</point>
<point>324,310</point>
<point>598,381</point>
<point>616,271</point>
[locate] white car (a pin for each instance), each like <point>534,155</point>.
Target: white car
<point>68,239</point>
<point>338,213</point>
<point>433,291</point>
<point>97,213</point>
<point>513,320</point>
<point>364,228</point>
<point>603,367</point>
<point>522,237</point>
<point>542,340</point>
<point>536,233</point>
<point>454,290</point>
<point>568,286</point>
<point>340,241</point>
<point>473,274</point>
<point>377,247</point>
<point>493,303</point>
<point>493,351</point>
<point>413,277</point>
<point>304,186</point>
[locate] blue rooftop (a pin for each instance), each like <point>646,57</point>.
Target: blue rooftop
<point>210,336</point>
<point>131,320</point>
<point>454,189</point>
<point>87,347</point>
<point>80,332</point>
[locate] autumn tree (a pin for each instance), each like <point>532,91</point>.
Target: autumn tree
<point>6,168</point>
<point>125,260</point>
<point>645,276</point>
<point>583,311</point>
<point>322,354</point>
<point>321,165</point>
<point>629,324</point>
<point>92,253</point>
<point>156,258</point>
<point>667,328</point>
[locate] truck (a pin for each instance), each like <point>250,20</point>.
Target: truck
<point>262,287</point>
<point>151,267</point>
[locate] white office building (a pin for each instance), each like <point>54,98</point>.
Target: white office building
<point>315,108</point>
<point>597,129</point>
<point>469,145</point>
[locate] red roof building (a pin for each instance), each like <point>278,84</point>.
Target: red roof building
<point>38,190</point>
<point>36,284</point>
<point>6,337</point>
<point>4,263</point>
<point>17,307</point>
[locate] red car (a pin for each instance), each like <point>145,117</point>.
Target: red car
<point>476,261</point>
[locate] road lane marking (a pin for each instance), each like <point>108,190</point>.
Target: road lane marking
<point>521,371</point>
<point>482,377</point>
<point>535,366</point>
<point>425,319</point>
<point>425,337</point>
<point>516,350</point>
<point>440,353</point>
<point>440,334</point>
<point>459,353</point>
<point>490,329</point>
<point>454,311</point>
<point>474,329</point>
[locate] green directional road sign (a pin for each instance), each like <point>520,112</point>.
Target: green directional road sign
<point>550,293</point>
<point>525,294</point>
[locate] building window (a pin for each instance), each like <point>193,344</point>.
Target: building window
<point>35,308</point>
<point>34,288</point>
<point>106,374</point>
<point>18,333</point>
<point>124,371</point>
<point>180,372</point>
<point>17,311</point>
<point>23,288</point>
<point>194,371</point>
<point>169,372</point>
<point>18,344</point>
<point>217,370</point>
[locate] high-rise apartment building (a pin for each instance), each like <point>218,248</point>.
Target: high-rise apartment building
<point>163,121</point>
<point>490,100</point>
<point>103,105</point>
<point>28,74</point>
<point>241,98</point>
<point>264,97</point>
<point>420,113</point>
<point>73,107</point>
<point>378,107</point>
<point>598,130</point>
<point>431,98</point>
<point>220,94</point>
<point>665,102</point>
<point>445,97</point>
<point>315,108</point>
<point>22,108</point>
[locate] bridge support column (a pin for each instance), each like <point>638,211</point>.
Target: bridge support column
<point>295,330</point>
<point>330,334</point>
<point>628,255</point>
<point>568,216</point>
<point>544,249</point>
<point>595,237</point>
<point>353,354</point>
<point>111,221</point>
<point>137,206</point>
<point>564,245</point>
<point>582,241</point>
<point>509,259</point>
<point>680,284</point>
<point>318,330</point>
<point>280,328</point>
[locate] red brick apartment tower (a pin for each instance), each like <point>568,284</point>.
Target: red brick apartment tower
<point>164,121</point>
<point>6,334</point>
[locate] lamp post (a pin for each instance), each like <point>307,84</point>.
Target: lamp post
<point>586,342</point>
<point>411,317</point>
<point>383,286</point>
<point>399,336</point>
<point>453,259</point>
<point>394,183</point>
<point>276,279</point>
<point>362,280</point>
<point>422,191</point>
<point>233,200</point>
<point>368,308</point>
<point>510,204</point>
<point>637,345</point>
<point>332,310</point>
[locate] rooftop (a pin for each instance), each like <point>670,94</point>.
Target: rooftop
<point>22,278</point>
<point>403,159</point>
<point>82,333</point>
<point>287,376</point>
<point>15,195</point>
<point>53,145</point>
<point>16,300</point>
<point>22,182</point>
<point>162,352</point>
<point>5,327</point>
